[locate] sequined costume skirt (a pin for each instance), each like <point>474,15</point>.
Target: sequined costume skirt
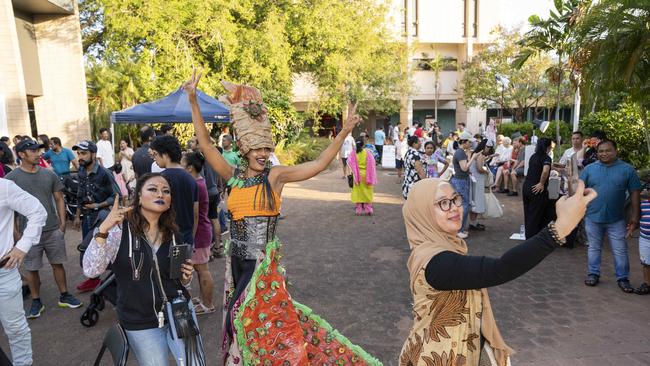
<point>266,327</point>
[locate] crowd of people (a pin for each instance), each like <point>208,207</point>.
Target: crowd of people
<point>140,209</point>
<point>478,165</point>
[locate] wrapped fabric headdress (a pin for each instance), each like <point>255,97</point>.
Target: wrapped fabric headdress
<point>249,117</point>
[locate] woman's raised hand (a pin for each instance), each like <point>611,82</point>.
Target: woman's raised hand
<point>115,217</point>
<point>190,85</point>
<point>353,118</point>
<point>570,210</point>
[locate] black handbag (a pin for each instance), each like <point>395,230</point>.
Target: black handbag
<point>350,180</point>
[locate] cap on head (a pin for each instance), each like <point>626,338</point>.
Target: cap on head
<point>28,144</point>
<point>85,145</point>
<point>466,136</point>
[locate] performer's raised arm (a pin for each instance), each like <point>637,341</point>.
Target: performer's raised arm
<point>304,171</point>
<point>211,153</point>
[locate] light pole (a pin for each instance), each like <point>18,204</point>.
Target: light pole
<point>503,81</point>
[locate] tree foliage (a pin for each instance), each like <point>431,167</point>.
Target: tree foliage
<point>141,50</point>
<point>615,48</point>
<point>529,85</point>
<point>557,34</point>
<point>623,125</point>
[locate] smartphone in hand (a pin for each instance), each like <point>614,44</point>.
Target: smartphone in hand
<point>178,254</point>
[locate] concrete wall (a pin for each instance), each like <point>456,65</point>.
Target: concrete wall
<point>42,57</point>
<point>12,85</point>
<point>29,55</point>
<point>62,110</point>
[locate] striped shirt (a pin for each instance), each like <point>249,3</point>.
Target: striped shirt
<point>645,219</point>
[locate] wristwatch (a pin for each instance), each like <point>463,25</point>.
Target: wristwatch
<point>99,234</point>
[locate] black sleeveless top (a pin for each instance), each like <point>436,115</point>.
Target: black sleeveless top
<point>138,294</point>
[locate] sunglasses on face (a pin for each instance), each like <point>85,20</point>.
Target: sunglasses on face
<point>445,204</point>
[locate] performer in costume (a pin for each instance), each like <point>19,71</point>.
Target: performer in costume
<point>262,324</point>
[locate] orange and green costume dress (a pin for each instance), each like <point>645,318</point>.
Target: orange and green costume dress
<point>262,324</point>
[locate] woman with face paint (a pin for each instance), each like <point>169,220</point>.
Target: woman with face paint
<point>262,324</point>
<point>137,241</point>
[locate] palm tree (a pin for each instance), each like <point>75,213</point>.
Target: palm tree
<point>436,64</point>
<point>555,34</point>
<point>615,39</point>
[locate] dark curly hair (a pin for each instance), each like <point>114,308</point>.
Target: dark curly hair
<point>168,145</point>
<point>137,222</point>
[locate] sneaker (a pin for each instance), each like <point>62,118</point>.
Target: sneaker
<point>36,310</point>
<point>462,235</point>
<point>513,194</point>
<point>69,301</point>
<point>88,285</point>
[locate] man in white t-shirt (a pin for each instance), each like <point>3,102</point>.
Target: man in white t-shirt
<point>395,133</point>
<point>347,148</point>
<point>411,131</point>
<point>576,146</point>
<point>105,152</point>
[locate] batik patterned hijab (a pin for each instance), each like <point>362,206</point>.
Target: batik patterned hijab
<point>426,239</point>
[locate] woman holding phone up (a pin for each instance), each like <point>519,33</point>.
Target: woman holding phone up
<point>137,242</point>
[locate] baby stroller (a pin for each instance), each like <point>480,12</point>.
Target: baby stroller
<point>107,290</point>
<point>70,186</point>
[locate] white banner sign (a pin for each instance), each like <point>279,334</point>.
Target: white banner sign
<point>388,157</point>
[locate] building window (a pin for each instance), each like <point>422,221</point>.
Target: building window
<point>448,64</point>
<point>32,115</point>
<point>475,22</point>
<point>411,12</point>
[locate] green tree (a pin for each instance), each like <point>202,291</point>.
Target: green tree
<point>615,44</point>
<point>555,34</point>
<point>343,44</point>
<point>528,85</point>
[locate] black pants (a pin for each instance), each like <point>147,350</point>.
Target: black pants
<point>242,272</point>
<point>380,151</point>
<point>539,210</point>
<point>4,360</point>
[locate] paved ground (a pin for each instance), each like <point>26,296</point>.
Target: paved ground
<point>352,271</point>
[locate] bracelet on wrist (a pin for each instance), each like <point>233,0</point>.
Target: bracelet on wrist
<point>554,234</point>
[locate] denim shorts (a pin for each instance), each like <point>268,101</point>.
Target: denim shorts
<point>53,244</point>
<point>644,250</point>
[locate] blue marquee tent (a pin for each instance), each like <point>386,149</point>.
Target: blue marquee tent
<point>174,108</point>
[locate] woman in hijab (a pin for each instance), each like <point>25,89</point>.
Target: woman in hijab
<point>453,319</point>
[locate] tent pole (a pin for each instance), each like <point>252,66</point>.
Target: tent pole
<point>112,128</point>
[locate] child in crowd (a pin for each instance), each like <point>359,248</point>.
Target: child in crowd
<point>644,238</point>
<point>432,157</point>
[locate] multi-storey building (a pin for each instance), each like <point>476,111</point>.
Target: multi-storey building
<point>454,30</point>
<point>42,79</point>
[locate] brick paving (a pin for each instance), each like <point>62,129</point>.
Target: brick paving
<point>352,271</point>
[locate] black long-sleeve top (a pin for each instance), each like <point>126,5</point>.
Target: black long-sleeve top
<point>453,271</point>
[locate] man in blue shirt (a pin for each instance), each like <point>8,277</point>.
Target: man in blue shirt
<point>60,158</point>
<point>380,140</point>
<point>612,179</point>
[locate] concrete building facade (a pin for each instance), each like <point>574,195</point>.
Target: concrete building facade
<point>43,83</point>
<point>455,30</point>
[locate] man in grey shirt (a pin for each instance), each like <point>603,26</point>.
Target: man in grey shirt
<point>46,187</point>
